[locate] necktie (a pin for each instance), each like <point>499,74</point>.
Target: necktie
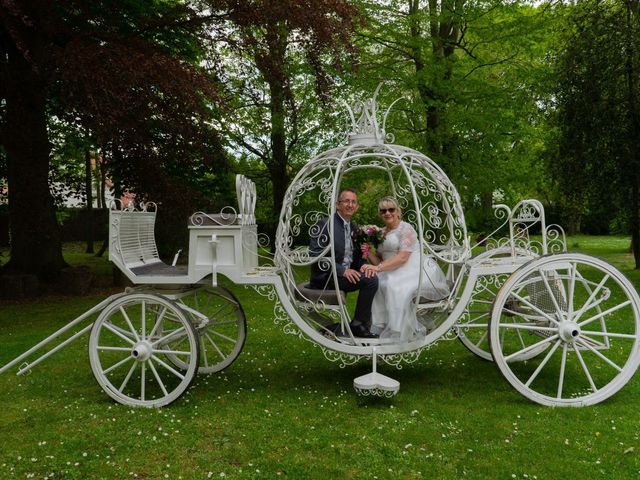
<point>348,250</point>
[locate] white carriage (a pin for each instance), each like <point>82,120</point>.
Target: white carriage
<point>563,328</point>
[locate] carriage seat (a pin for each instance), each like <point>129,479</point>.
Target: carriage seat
<point>133,246</point>
<point>160,268</point>
<point>305,293</point>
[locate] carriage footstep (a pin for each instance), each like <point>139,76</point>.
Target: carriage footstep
<point>374,383</point>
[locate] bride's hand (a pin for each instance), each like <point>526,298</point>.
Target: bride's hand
<point>369,270</point>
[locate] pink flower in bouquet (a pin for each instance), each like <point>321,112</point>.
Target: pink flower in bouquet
<point>368,235</point>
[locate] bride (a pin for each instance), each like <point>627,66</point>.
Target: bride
<point>397,264</point>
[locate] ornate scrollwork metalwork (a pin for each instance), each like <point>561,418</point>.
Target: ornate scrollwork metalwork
<point>483,291</point>
<point>344,359</point>
<point>521,220</point>
<point>227,216</point>
<point>556,239</point>
<point>398,359</point>
<point>374,392</point>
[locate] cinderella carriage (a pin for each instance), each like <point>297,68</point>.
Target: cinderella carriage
<point>563,328</point>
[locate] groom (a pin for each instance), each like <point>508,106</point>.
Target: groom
<point>348,259</point>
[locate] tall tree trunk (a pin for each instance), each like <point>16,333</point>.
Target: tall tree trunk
<point>278,168</point>
<point>277,41</point>
<point>444,31</point>
<point>634,116</point>
<point>89,190</point>
<point>36,247</point>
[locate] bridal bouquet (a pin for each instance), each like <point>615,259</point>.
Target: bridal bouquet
<point>369,235</point>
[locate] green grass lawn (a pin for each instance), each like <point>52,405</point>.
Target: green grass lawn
<point>283,410</point>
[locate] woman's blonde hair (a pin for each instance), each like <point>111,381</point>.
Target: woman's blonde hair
<point>384,201</point>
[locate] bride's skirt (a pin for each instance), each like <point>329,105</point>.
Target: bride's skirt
<point>393,312</point>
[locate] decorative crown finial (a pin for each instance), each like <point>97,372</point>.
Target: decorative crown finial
<point>366,129</point>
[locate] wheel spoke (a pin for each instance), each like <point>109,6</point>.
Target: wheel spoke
<point>515,313</point>
<point>126,379</point>
<point>536,309</point>
<point>143,327</point>
<point>155,374</point>
<point>554,300</point>
<point>173,352</point>
<point>219,311</point>
<point>124,331</point>
<point>168,367</point>
<point>196,302</point>
<point>161,315</point>
<point>543,363</point>
<point>572,288</point>
<point>606,312</point>
<point>226,322</point>
<point>588,304</point>
<point>528,326</point>
<point>182,330</point>
<point>600,355</point>
<point>114,349</point>
<point>609,334</point>
<point>203,352</point>
<point>472,325</point>
<point>482,338</point>
<point>222,355</point>
<point>482,301</point>
<point>128,320</point>
<point>563,364</point>
<point>229,339</point>
<point>143,380</point>
<point>117,364</point>
<point>531,347</point>
<point>110,327</point>
<point>585,369</point>
<point>520,338</point>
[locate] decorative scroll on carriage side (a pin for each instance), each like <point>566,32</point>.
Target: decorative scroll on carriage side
<point>521,221</point>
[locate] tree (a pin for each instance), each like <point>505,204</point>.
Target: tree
<point>598,110</point>
<point>279,54</point>
<point>117,68</point>
<point>471,74</point>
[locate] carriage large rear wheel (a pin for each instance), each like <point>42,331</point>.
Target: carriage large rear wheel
<point>131,346</point>
<point>585,312</point>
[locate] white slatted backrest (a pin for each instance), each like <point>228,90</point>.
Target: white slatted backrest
<point>136,239</point>
<point>246,192</point>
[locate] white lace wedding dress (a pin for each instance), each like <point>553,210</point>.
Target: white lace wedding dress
<point>393,312</point>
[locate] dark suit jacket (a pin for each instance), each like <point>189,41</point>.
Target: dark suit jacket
<point>321,277</point>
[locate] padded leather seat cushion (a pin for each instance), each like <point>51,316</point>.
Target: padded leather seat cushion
<point>305,293</point>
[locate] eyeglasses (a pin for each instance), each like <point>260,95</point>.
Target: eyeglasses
<point>348,202</point>
<point>385,210</point>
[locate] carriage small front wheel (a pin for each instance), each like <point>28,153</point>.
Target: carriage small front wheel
<point>131,346</point>
<point>585,312</point>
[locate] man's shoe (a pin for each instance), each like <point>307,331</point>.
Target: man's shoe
<point>361,331</point>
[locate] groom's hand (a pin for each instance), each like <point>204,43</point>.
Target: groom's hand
<point>351,275</point>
